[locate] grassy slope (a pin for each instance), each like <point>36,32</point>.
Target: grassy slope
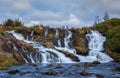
<point>111,29</point>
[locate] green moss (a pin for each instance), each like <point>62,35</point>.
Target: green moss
<point>111,29</point>
<point>50,35</point>
<point>6,61</point>
<point>115,56</point>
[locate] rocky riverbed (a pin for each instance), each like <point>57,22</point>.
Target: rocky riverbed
<point>57,70</point>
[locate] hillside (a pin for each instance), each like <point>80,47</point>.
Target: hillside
<point>111,29</point>
<point>48,37</point>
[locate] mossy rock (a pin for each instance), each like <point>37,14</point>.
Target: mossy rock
<point>81,50</point>
<point>48,44</point>
<point>115,56</point>
<point>7,60</point>
<point>50,35</point>
<point>70,55</point>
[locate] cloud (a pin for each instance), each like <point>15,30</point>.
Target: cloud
<point>71,21</point>
<point>58,12</point>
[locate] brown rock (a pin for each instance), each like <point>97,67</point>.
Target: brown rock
<point>99,76</point>
<point>50,73</point>
<point>84,73</point>
<point>51,65</point>
<point>70,55</point>
<point>14,71</point>
<point>59,66</point>
<point>49,44</point>
<point>33,64</point>
<point>96,62</point>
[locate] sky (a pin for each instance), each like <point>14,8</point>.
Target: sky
<point>56,13</point>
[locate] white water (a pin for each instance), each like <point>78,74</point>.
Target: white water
<point>46,32</point>
<point>68,35</point>
<point>96,41</point>
<point>44,52</point>
<point>47,55</point>
<point>56,33</point>
<point>32,35</point>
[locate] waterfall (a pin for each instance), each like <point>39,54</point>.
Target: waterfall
<point>68,35</point>
<point>56,33</point>
<point>32,35</point>
<point>67,40</point>
<point>95,45</point>
<point>16,49</point>
<point>59,43</point>
<point>46,55</point>
<point>46,32</point>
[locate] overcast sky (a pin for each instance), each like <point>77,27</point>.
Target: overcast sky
<point>56,13</point>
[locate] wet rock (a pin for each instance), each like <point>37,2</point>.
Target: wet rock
<point>99,76</point>
<point>23,73</point>
<point>84,73</point>
<point>118,68</point>
<point>50,65</point>
<point>50,73</point>
<point>96,62</point>
<point>77,65</point>
<point>70,55</point>
<point>59,66</point>
<point>36,68</point>
<point>33,64</point>
<point>13,71</point>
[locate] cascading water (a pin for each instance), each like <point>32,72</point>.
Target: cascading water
<point>46,32</point>
<point>32,35</point>
<point>67,40</point>
<point>56,33</point>
<point>96,41</point>
<point>48,55</point>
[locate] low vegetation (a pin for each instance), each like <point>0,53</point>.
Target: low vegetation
<point>111,29</point>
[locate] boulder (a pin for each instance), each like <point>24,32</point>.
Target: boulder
<point>70,55</point>
<point>50,73</point>
<point>59,66</point>
<point>96,62</point>
<point>99,76</point>
<point>13,71</point>
<point>84,73</point>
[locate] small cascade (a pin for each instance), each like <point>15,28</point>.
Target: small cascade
<point>32,35</point>
<point>59,43</point>
<point>68,35</point>
<point>56,33</point>
<point>16,49</point>
<point>96,41</point>
<point>46,33</point>
<point>67,40</point>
